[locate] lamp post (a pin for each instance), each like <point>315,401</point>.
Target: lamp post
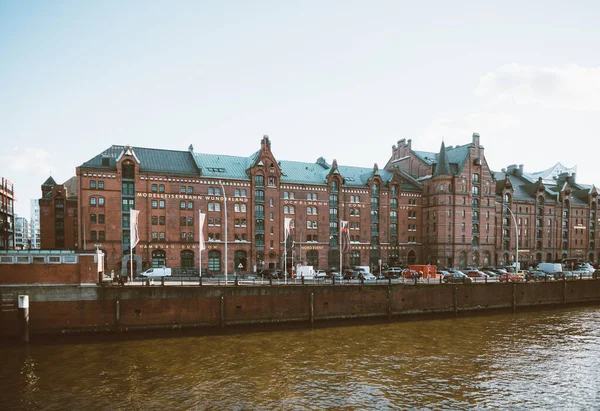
<point>516,236</point>
<point>225,205</point>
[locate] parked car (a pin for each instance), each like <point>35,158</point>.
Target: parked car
<point>538,275</point>
<point>457,277</point>
<point>566,275</point>
<point>492,274</point>
<point>583,272</point>
<point>477,274</point>
<point>367,276</point>
<point>393,272</point>
<point>511,277</point>
<point>320,274</point>
<point>335,276</point>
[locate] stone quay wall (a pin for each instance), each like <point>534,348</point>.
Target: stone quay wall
<point>64,309</point>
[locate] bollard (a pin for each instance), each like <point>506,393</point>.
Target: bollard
<point>441,279</point>
<point>270,280</point>
<point>236,280</point>
<point>332,280</point>
<point>390,280</point>
<point>200,280</point>
<point>416,280</point>
<point>162,281</point>
<point>302,279</point>
<point>24,317</point>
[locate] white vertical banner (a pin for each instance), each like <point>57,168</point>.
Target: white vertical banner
<point>133,227</point>
<point>287,226</point>
<point>134,237</point>
<point>201,245</point>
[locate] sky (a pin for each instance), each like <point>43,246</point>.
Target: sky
<point>342,80</point>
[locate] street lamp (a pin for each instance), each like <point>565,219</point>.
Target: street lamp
<point>516,235</point>
<point>225,205</point>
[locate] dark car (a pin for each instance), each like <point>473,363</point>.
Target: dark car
<point>566,275</point>
<point>457,277</point>
<point>538,275</point>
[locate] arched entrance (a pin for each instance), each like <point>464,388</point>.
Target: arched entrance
<point>187,260</point>
<point>214,261</point>
<point>126,264</point>
<point>333,258</point>
<point>240,258</point>
<point>159,258</point>
<point>411,258</point>
<point>462,259</point>
<point>312,258</point>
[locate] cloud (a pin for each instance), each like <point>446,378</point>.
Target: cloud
<point>571,87</point>
<point>462,128</point>
<point>32,161</point>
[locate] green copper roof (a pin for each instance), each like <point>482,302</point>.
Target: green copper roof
<point>152,160</point>
<point>457,156</point>
<point>235,167</point>
<point>443,166</point>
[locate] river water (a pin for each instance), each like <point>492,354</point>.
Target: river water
<point>530,360</point>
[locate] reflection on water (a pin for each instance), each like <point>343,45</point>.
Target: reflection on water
<point>539,360</point>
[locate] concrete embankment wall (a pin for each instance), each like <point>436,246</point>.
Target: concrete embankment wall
<point>62,309</point>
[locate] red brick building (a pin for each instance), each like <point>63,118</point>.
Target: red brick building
<point>7,215</point>
<point>446,208</point>
<point>170,188</point>
<point>58,215</point>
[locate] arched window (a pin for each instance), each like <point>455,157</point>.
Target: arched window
<point>411,257</point>
<point>159,258</point>
<point>259,180</point>
<point>475,178</point>
<point>187,259</point>
<point>333,186</point>
<point>507,198</point>
<point>214,261</point>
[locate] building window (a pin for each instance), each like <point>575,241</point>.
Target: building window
<point>161,220</point>
<point>154,220</point>
<point>190,205</point>
<point>161,235</point>
<point>127,189</point>
<point>271,181</point>
<point>100,201</point>
<point>190,190</point>
<point>259,180</point>
<point>161,188</point>
<point>93,218</point>
<point>182,221</point>
<point>101,185</point>
<point>154,188</point>
<point>101,218</point>
<point>161,203</point>
<point>93,235</point>
<point>101,235</point>
<point>190,221</point>
<point>154,235</point>
<point>154,204</point>
<point>127,204</point>
<point>93,184</point>
<point>93,201</point>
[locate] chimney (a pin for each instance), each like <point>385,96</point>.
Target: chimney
<point>476,140</point>
<point>265,144</point>
<point>520,169</point>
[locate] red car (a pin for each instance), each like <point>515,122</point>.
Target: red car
<point>511,277</point>
<point>476,274</point>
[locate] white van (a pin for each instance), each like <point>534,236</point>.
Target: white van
<point>157,272</point>
<point>550,268</point>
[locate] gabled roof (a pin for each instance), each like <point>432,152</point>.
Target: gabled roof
<point>457,157</point>
<point>49,182</point>
<point>443,166</point>
<point>151,160</point>
<point>223,166</point>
